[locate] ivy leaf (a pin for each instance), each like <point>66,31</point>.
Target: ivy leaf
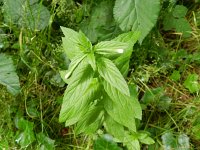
<point>112,75</point>
<point>137,15</point>
<point>191,83</point>
<point>119,107</point>
<point>8,76</point>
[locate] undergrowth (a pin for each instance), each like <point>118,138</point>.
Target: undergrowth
<point>163,71</point>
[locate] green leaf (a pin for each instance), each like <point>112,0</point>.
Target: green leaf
<point>114,128</point>
<point>144,138</point>
<point>37,17</point>
<point>119,106</point>
<point>122,62</point>
<point>134,100</point>
<point>180,11</point>
<point>112,75</point>
<point>74,63</point>
<point>8,76</point>
<point>91,120</point>
<point>75,92</point>
<point>45,142</point>
<point>105,143</point>
<point>75,43</point>
<point>92,61</point>
<point>26,136</point>
<point>137,15</point>
<point>26,13</point>
<point>175,21</point>
<point>132,142</point>
<point>152,96</point>
<point>191,83</point>
<point>84,44</point>
<point>71,42</point>
<point>103,29</point>
<point>112,48</point>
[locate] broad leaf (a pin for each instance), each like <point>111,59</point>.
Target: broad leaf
<point>103,29</point>
<point>26,13</point>
<point>119,107</point>
<point>8,76</point>
<point>137,15</point>
<point>112,75</point>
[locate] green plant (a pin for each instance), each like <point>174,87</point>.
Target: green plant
<point>97,93</point>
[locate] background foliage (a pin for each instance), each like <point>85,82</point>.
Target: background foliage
<point>161,70</point>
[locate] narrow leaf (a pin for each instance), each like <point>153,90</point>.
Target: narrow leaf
<point>119,107</point>
<point>110,48</point>
<point>91,120</point>
<point>111,74</point>
<point>78,84</point>
<point>122,62</point>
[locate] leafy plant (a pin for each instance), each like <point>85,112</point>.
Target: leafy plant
<point>175,20</point>
<point>97,94</point>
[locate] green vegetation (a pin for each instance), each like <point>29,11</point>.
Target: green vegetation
<point>100,74</point>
